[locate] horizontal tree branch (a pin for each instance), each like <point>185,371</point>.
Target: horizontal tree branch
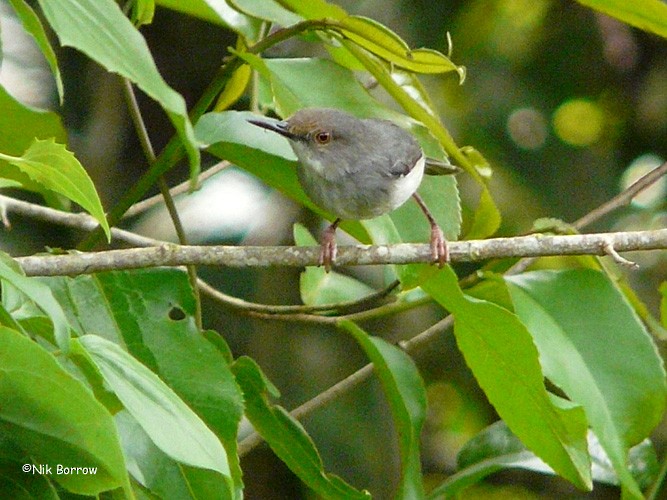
<point>535,245</point>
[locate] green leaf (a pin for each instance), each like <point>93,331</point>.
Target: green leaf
<point>55,420</point>
<point>135,309</point>
<point>648,15</point>
<point>406,394</point>
<point>99,29</point>
<point>217,12</point>
<point>33,25</point>
<point>384,43</point>
<point>496,448</point>
<point>486,220</point>
<point>40,295</point>
<point>20,125</point>
<point>163,476</point>
<point>53,168</point>
<point>318,287</point>
<point>268,10</point>
<point>315,9</point>
<point>28,486</point>
<point>143,12</point>
<point>501,354</point>
<point>171,425</point>
<point>234,88</point>
<point>585,331</point>
<point>285,435</point>
<point>265,155</point>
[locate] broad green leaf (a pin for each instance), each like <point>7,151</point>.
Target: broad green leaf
<point>143,12</point>
<point>265,155</point>
<point>33,25</point>
<point>585,331</point>
<point>16,484</point>
<point>53,168</point>
<point>501,354</point>
<point>99,29</point>
<point>318,287</point>
<point>496,448</point>
<point>217,12</point>
<point>9,321</point>
<point>54,419</point>
<point>135,309</point>
<point>486,220</point>
<point>406,394</point>
<point>41,295</point>
<point>169,422</point>
<point>234,88</point>
<point>648,15</point>
<point>159,473</point>
<point>20,125</point>
<point>477,161</point>
<point>383,231</point>
<point>315,9</point>
<point>269,10</point>
<point>286,436</point>
<point>384,43</point>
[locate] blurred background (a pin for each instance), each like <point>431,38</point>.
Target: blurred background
<point>569,106</point>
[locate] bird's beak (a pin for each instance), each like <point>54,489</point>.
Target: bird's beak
<point>275,126</point>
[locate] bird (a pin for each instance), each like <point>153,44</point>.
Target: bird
<point>358,168</point>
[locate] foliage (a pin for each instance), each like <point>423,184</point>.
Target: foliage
<point>110,373</point>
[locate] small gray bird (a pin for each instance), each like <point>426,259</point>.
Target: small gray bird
<point>358,169</point>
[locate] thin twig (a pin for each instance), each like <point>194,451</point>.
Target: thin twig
<point>271,311</point>
<point>181,188</point>
<point>618,201</point>
<point>149,153</point>
<point>623,198</point>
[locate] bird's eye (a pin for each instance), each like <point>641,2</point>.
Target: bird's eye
<point>323,137</point>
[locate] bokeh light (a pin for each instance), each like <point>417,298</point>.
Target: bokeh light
<point>655,194</point>
<point>579,122</point>
<point>528,128</point>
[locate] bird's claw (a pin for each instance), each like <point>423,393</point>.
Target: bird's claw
<point>328,248</point>
<point>439,249</point>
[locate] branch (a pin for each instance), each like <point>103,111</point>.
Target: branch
<point>404,253</point>
<point>623,198</point>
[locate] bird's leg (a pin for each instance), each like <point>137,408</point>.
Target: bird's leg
<point>439,248</point>
<point>328,249</point>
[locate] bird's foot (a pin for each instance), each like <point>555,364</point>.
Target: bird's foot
<point>328,247</point>
<point>439,249</point>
